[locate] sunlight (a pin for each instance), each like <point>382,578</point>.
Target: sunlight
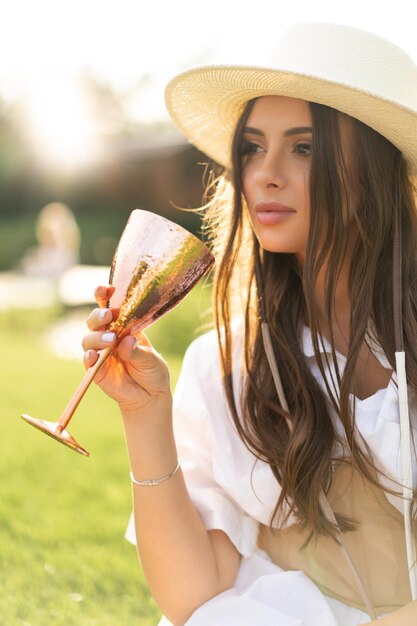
<point>60,123</point>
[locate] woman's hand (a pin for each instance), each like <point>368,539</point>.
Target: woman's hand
<point>134,375</point>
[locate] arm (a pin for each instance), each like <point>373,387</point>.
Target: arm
<point>185,565</point>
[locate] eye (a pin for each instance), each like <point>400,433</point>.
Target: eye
<point>303,149</point>
<point>248,148</point>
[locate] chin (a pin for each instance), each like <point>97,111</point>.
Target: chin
<point>280,249</point>
<point>280,242</point>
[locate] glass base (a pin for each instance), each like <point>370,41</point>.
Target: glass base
<point>52,429</point>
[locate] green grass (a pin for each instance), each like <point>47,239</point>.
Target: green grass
<point>63,557</point>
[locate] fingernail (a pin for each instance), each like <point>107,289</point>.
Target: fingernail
<point>108,337</point>
<point>87,354</point>
<point>102,313</point>
<point>131,340</point>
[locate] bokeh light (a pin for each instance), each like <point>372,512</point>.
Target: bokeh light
<point>60,122</point>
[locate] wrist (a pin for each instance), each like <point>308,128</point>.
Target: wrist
<point>159,405</point>
<point>149,430</point>
<point>154,482</point>
<point>151,445</point>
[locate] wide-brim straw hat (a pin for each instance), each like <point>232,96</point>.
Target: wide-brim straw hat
<point>351,70</point>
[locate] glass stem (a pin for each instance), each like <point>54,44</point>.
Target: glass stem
<point>82,388</point>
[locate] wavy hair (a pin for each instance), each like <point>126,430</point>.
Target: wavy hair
<point>301,460</point>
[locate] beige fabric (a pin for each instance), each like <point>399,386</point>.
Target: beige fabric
<point>377,546</point>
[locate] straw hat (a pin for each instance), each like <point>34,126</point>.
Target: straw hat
<point>351,70</point>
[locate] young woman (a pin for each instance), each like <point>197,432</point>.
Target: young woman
<point>293,503</point>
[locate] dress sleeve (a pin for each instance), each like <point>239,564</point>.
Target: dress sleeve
<point>200,410</point>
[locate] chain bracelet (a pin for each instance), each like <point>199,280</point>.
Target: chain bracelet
<point>154,481</point>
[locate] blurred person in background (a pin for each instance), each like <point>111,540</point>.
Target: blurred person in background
<point>59,243</point>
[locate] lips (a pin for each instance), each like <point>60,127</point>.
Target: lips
<point>272,212</point>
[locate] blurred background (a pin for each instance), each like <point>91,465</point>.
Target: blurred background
<point>84,139</point>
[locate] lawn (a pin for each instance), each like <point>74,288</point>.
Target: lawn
<point>63,557</point>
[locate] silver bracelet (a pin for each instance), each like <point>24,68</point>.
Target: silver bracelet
<point>154,481</point>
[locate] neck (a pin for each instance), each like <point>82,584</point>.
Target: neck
<point>341,306</point>
<point>340,315</point>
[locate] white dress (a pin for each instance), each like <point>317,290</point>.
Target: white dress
<point>234,492</point>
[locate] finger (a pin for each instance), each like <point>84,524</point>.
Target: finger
<point>142,339</point>
<point>98,340</point>
<point>90,357</point>
<point>99,318</point>
<point>103,293</point>
<point>130,350</point>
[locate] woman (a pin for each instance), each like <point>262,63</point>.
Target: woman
<point>291,505</point>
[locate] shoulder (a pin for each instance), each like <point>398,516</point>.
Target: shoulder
<point>200,405</point>
<point>203,354</point>
<point>200,371</point>
<point>201,381</point>
<point>206,341</point>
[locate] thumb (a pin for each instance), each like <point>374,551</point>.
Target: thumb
<point>141,355</point>
<point>144,365</point>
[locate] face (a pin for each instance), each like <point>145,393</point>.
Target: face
<point>276,156</point>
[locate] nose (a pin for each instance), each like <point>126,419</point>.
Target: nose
<point>271,172</point>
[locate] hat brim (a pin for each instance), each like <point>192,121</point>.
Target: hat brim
<point>206,103</point>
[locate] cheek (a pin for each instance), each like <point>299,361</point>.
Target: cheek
<point>249,172</point>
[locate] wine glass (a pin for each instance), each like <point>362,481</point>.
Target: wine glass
<point>156,263</point>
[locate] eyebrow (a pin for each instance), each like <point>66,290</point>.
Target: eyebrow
<point>297,130</point>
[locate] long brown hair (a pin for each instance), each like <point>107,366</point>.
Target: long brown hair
<point>301,460</point>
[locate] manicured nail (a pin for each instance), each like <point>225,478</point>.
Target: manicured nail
<point>102,313</point>
<point>131,340</point>
<point>108,337</point>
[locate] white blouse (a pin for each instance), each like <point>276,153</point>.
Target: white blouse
<point>233,491</point>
